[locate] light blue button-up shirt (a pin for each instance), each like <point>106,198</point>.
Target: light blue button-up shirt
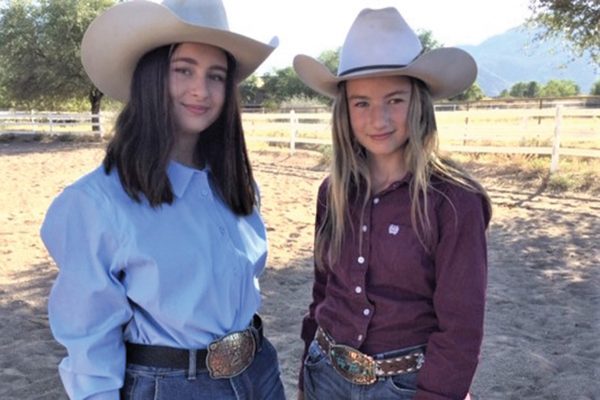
<point>179,275</point>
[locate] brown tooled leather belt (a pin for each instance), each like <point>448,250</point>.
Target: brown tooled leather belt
<point>362,369</point>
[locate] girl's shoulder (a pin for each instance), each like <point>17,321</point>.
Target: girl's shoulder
<point>445,186</point>
<point>460,199</point>
<point>97,186</point>
<point>324,186</point>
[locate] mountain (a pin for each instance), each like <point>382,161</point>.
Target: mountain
<point>515,56</point>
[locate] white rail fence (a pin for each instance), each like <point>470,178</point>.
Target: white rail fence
<point>553,131</point>
<point>52,123</point>
<point>558,131</point>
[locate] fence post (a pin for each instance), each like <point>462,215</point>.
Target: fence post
<point>556,139</point>
<point>293,131</point>
<point>50,120</point>
<point>466,132</point>
<point>99,122</point>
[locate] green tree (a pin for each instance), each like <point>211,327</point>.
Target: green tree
<point>595,89</point>
<point>427,40</point>
<point>251,92</point>
<point>576,20</point>
<point>525,89</point>
<point>473,93</point>
<point>40,51</point>
<point>533,89</point>
<point>331,59</point>
<point>283,84</point>
<point>559,88</point>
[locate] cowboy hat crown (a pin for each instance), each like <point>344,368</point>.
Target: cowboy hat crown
<point>381,43</point>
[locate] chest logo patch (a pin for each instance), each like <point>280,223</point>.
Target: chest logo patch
<point>393,229</point>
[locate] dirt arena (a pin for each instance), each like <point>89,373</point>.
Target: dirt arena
<point>543,314</point>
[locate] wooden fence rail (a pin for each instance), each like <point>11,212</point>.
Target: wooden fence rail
<point>549,131</point>
<point>555,132</point>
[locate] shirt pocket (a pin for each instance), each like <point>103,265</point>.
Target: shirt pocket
<point>399,256</point>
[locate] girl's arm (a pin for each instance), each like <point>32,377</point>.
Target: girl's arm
<point>459,298</point>
<point>87,306</point>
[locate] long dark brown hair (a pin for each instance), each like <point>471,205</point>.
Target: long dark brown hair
<point>141,147</point>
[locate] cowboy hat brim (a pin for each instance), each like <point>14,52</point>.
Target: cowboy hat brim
<point>116,40</point>
<point>446,72</point>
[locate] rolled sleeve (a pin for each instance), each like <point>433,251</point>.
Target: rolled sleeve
<point>87,307</point>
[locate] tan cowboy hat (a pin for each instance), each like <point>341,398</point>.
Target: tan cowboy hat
<point>380,43</point>
<point>116,40</point>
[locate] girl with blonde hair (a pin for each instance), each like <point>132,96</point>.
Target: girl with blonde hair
<point>400,246</point>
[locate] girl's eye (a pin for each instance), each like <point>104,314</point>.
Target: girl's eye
<point>183,71</point>
<point>396,100</point>
<point>218,77</point>
<point>361,104</point>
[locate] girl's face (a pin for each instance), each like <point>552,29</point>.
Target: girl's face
<point>378,110</point>
<point>197,76</point>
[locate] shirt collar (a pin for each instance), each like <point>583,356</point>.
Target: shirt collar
<point>395,185</point>
<point>180,177</point>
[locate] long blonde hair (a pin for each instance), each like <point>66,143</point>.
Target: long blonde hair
<point>349,176</point>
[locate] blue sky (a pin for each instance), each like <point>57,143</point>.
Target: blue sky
<point>312,26</point>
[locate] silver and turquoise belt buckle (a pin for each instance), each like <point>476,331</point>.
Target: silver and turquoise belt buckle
<point>353,365</point>
<point>231,355</point>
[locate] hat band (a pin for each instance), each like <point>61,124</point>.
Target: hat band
<point>370,67</point>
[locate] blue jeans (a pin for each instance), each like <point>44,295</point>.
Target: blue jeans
<point>321,381</point>
<point>261,381</point>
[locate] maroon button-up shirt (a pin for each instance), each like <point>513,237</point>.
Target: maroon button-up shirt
<point>391,293</point>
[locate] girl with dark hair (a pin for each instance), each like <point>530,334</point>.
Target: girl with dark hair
<point>160,249</point>
<point>400,247</point>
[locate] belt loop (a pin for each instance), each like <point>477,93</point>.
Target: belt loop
<point>255,328</point>
<point>192,365</point>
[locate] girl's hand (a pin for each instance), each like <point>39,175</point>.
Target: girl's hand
<point>300,395</point>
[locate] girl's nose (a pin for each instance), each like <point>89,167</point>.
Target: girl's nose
<point>199,88</point>
<point>379,116</point>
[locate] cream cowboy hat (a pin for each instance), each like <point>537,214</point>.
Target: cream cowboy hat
<point>380,43</point>
<point>116,40</point>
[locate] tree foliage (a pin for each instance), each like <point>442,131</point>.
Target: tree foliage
<point>559,88</point>
<point>553,88</point>
<point>525,89</point>
<point>40,51</point>
<point>331,59</point>
<point>427,40</point>
<point>576,20</point>
<point>473,93</point>
<point>595,89</point>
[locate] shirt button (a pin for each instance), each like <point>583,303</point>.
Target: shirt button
<point>361,260</point>
<point>205,193</point>
<point>222,230</point>
<point>360,338</point>
<point>366,312</point>
<point>376,200</point>
<point>358,289</point>
<point>364,228</point>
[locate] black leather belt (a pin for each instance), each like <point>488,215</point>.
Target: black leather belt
<point>225,357</point>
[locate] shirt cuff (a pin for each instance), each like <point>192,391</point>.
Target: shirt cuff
<point>111,395</point>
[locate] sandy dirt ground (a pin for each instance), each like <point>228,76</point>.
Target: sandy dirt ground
<point>543,311</point>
